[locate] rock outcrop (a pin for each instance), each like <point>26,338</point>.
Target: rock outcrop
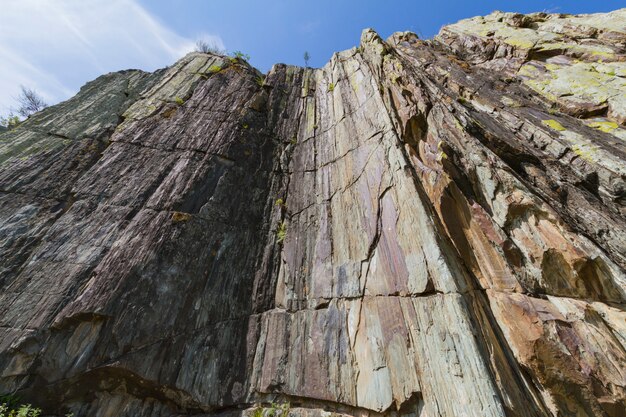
<point>425,228</point>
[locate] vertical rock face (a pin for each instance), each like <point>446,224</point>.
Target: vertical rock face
<point>426,228</point>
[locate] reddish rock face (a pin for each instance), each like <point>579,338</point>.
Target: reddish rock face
<point>425,228</point>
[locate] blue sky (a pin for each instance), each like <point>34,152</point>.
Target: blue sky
<point>274,31</point>
<point>57,46</point>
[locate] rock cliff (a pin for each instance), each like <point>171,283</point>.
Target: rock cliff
<point>420,227</point>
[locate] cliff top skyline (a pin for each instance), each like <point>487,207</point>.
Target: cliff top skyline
<point>55,48</point>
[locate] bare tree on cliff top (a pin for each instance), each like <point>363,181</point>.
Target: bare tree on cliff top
<point>29,102</point>
<point>208,48</point>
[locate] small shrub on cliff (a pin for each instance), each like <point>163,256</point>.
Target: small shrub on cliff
<point>214,69</point>
<point>274,410</point>
<point>25,410</point>
<point>10,122</point>
<point>29,102</point>
<point>279,410</point>
<point>281,232</point>
<point>241,55</point>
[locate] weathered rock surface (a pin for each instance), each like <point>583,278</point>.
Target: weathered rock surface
<point>425,228</point>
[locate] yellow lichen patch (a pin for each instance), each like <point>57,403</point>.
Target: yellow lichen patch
<point>541,88</point>
<point>584,151</point>
<point>536,78</point>
<point>509,102</point>
<point>553,124</point>
<point>305,84</point>
<point>577,85</point>
<point>213,69</point>
<point>310,116</point>
<point>606,127</point>
<point>528,70</point>
<point>611,69</point>
<point>593,52</point>
<point>520,43</point>
<point>354,83</point>
<point>602,54</point>
<point>179,216</point>
<point>552,67</point>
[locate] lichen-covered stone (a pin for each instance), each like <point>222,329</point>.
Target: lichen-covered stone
<point>426,228</point>
<point>575,62</point>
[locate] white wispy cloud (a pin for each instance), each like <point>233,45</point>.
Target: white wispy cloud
<point>56,46</point>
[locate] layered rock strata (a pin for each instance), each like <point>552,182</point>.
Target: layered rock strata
<point>425,228</point>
